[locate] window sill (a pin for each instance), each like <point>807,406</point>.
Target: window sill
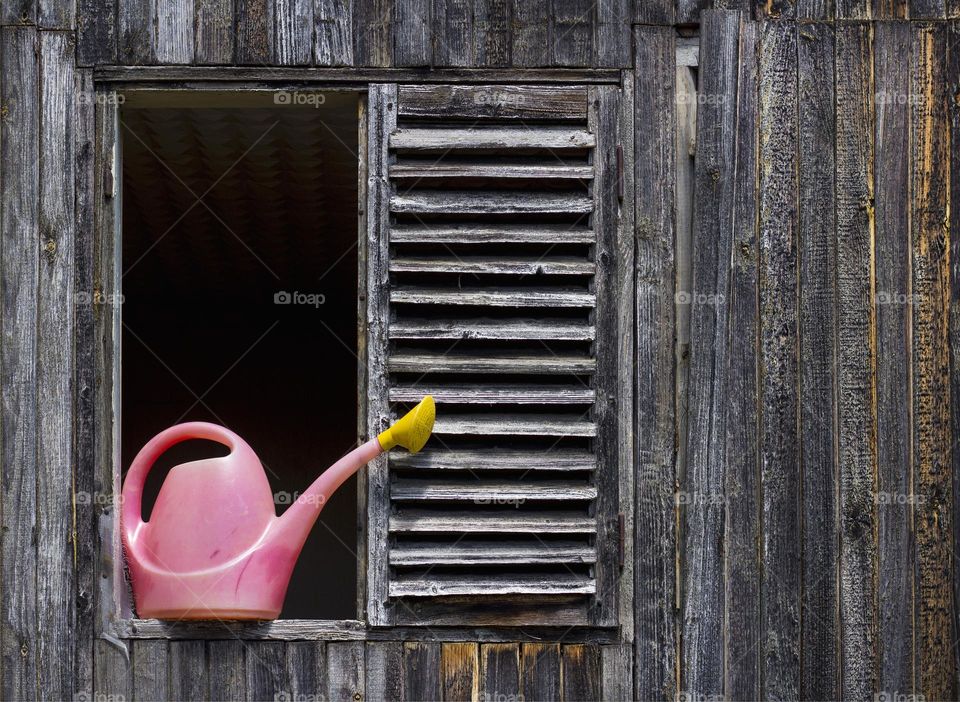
<point>352,630</point>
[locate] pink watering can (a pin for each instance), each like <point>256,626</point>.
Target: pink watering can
<point>214,547</point>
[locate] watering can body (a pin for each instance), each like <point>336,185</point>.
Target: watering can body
<point>214,547</point>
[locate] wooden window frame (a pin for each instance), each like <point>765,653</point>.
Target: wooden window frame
<point>109,594</point>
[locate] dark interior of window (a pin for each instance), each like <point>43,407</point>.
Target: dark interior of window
<point>239,263</point>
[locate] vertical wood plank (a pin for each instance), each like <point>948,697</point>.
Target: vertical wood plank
<point>953,42</point>
<point>572,32</point>
<point>188,670</point>
<point>855,359</point>
<point>702,492</point>
<point>84,544</point>
<point>817,321</point>
<point>890,9</point>
<point>655,12</point>
<point>688,11</point>
<point>306,670</point>
<point>175,31</point>
<point>266,670</point>
<point>333,32</point>
<point>96,32</point>
<point>373,36</point>
<point>932,441</point>
<point>779,445</point>
<point>55,587</point>
<point>580,672</point>
<point>294,32</point>
<point>780,9</point>
<point>540,671</point>
<point>19,184</point>
<point>654,546</point>
<point>226,670</point>
<point>452,25</point>
<point>214,34</point>
<point>927,9</point>
<point>254,32</point>
<point>411,33</point>
<point>613,34</point>
<point>742,486</point>
<point>19,12</point>
<point>150,674</point>
<point>822,10</point>
<point>137,32</point>
<point>384,669</point>
<point>531,34</point>
<point>491,32</point>
<point>896,563</point>
<point>56,14</point>
<point>459,672</point>
<point>382,120</point>
<point>345,671</point>
<point>113,678</point>
<point>421,671</point>
<point>500,671</point>
<point>617,675</point>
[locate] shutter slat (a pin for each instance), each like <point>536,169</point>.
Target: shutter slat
<point>506,330</point>
<point>501,425</point>
<point>490,138</point>
<point>490,202</point>
<point>474,522</point>
<point>501,102</point>
<point>492,297</point>
<point>491,234</point>
<point>541,364</point>
<point>495,265</point>
<point>496,459</point>
<point>491,492</point>
<point>436,585</point>
<point>490,553</point>
<point>547,171</point>
<point>488,394</point>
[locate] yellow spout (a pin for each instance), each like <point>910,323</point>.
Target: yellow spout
<point>413,429</point>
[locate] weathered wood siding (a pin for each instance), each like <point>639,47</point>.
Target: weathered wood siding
<point>820,347</point>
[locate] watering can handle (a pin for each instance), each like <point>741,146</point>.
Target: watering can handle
<point>131,514</point>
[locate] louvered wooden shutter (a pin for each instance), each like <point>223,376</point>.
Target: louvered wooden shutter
<point>494,284</point>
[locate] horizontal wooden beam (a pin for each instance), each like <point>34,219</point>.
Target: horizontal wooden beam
<point>306,75</point>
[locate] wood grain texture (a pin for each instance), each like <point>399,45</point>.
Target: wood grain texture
<point>702,500</point>
<point>856,360</point>
<point>113,672</point>
<point>150,670</point>
<point>213,34</point>
<point>500,671</point>
<point>932,441</point>
<point>96,32</point>
<point>852,9</point>
<point>927,9</point>
<point>56,14</point>
<point>266,670</point>
<point>19,12</point>
<point>382,119</point>
<point>822,10</point>
<point>421,672</point>
<point>779,442</point>
<point>254,28</point>
<point>460,671</point>
<point>226,670</point>
<point>293,27</point>
<point>84,540</point>
<point>953,67</point>
<point>384,669</point>
<point>612,43</point>
<point>890,9</point>
<point>896,557</point>
<point>175,31</point>
<point>510,103</point>
<point>452,32</point>
<point>54,528</point>
<point>817,321</point>
<point>654,547</point>
<point>19,271</point>
<point>188,670</point>
<point>306,670</point>
<point>540,671</point>
<point>491,32</point>
<point>742,483</point>
<point>531,34</point>
<point>137,32</point>
<point>776,9</point>
<point>580,672</point>
<point>333,32</point>
<point>411,33</point>
<point>345,670</point>
<point>572,24</point>
<point>373,33</point>
<point>657,12</point>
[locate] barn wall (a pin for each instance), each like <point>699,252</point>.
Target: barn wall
<point>812,585</point>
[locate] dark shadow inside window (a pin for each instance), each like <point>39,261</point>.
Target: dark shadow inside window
<point>225,211</point>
